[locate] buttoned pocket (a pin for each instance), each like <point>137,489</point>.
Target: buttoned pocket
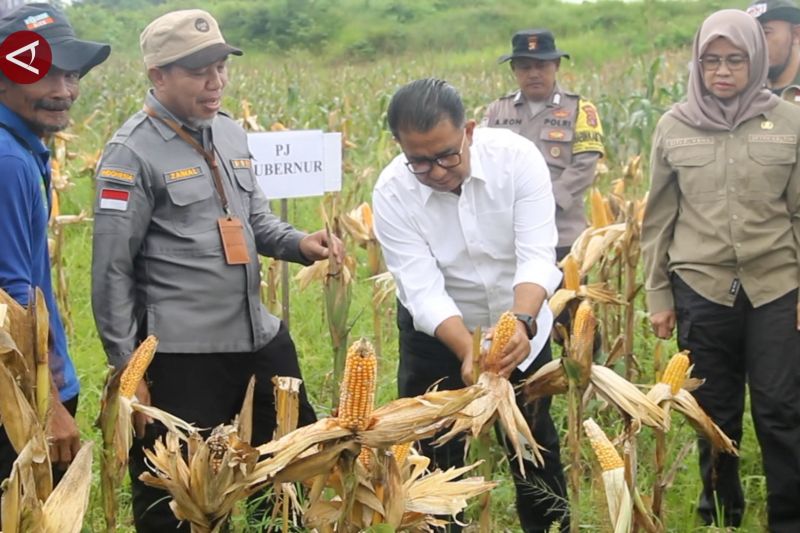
<point>694,165</point>
<point>192,207</point>
<point>772,166</point>
<point>244,177</point>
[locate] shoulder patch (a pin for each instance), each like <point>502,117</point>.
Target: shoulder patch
<point>117,174</point>
<point>241,163</point>
<point>588,130</point>
<point>114,199</point>
<point>129,126</point>
<point>182,174</point>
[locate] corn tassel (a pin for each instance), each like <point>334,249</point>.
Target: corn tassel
<point>675,373</point>
<point>137,366</point>
<point>503,331</point>
<point>357,395</point>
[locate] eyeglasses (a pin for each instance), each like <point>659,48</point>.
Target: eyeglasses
<point>734,62</point>
<point>423,165</point>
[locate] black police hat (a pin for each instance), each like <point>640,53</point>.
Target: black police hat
<point>68,52</point>
<point>534,44</point>
<point>766,10</point>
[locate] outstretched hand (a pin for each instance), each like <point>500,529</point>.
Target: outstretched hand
<point>317,246</point>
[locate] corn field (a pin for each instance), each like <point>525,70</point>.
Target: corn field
<point>623,404</point>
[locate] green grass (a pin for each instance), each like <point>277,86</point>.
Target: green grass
<point>302,91</point>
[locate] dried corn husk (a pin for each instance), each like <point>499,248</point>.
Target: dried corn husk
<point>498,402</point>
<point>686,404</point>
<point>627,398</point>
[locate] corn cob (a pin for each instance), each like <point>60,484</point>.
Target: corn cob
<point>400,452</point>
<point>503,331</point>
<point>365,457</point>
<point>137,366</point>
<point>366,215</point>
<point>675,373</point>
<point>599,212</point>
<point>582,337</point>
<point>357,393</point>
<point>606,454</point>
<point>572,278</point>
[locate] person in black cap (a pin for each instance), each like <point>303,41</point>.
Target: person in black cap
<point>564,126</point>
<point>28,114</point>
<point>779,19</point>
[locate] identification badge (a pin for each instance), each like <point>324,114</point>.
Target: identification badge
<point>231,232</point>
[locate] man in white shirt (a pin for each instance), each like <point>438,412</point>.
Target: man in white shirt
<point>465,218</point>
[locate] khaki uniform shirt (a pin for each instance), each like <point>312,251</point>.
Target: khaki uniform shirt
<point>568,132</point>
<point>158,265</point>
<point>723,210</point>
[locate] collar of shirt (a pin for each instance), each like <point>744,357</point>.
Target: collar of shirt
<point>166,132</point>
<point>553,100</point>
<point>476,172</point>
<point>16,125</point>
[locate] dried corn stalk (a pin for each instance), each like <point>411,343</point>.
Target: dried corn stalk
<point>116,427</point>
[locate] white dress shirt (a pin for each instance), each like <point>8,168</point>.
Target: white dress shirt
<point>462,255</point>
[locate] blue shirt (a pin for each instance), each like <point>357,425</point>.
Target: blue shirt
<point>24,212</point>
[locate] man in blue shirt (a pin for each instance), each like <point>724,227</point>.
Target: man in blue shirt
<point>28,114</point>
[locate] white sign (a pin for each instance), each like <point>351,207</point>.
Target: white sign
<point>296,164</point>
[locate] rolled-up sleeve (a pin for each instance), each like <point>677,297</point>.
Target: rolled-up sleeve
<point>534,222</point>
<point>420,283</point>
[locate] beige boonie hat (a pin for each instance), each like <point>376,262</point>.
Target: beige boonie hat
<point>189,38</point>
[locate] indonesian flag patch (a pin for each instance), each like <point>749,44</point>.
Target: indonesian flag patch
<point>115,199</point>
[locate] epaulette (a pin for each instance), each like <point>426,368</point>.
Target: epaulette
<point>512,94</point>
<point>129,126</point>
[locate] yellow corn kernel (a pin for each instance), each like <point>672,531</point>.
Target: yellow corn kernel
<point>599,212</point>
<point>137,366</point>
<point>582,337</point>
<point>400,452</point>
<point>572,277</point>
<point>606,454</point>
<point>366,215</point>
<point>357,393</point>
<point>609,211</point>
<point>675,373</point>
<point>365,456</point>
<point>503,331</point>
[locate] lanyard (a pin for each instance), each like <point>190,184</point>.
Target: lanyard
<point>208,155</point>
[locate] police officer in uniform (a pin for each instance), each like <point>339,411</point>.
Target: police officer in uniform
<point>565,127</point>
<point>179,224</point>
<point>779,20</point>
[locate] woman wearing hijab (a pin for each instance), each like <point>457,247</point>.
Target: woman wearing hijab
<point>720,243</point>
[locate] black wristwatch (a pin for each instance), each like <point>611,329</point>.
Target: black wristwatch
<point>529,322</point>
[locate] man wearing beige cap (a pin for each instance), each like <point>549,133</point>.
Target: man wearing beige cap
<point>179,225</point>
